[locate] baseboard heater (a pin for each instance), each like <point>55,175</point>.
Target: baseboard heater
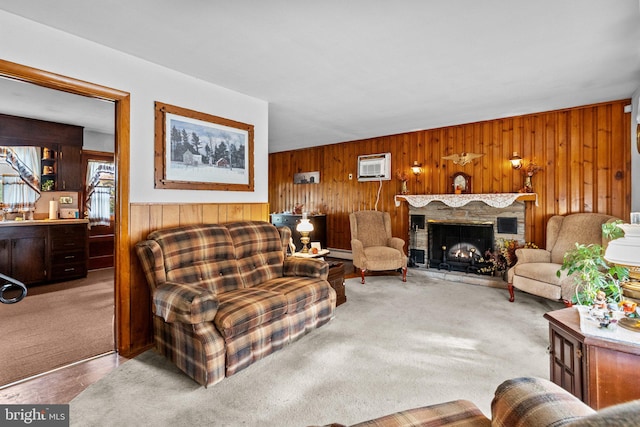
<point>340,253</point>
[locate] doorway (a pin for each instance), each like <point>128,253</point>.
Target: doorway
<point>98,206</point>
<point>121,101</point>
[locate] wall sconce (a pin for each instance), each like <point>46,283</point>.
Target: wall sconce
<point>416,168</point>
<point>516,161</point>
<point>304,227</point>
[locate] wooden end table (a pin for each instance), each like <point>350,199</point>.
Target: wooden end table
<point>598,371</point>
<point>336,279</point>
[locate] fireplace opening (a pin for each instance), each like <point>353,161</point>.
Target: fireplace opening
<point>458,246</point>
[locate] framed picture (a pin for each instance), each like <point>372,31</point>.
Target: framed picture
<point>460,183</point>
<point>198,151</point>
<point>306,178</point>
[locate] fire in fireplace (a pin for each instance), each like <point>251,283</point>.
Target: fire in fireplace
<point>458,246</point>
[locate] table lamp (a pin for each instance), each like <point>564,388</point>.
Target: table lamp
<point>304,227</point>
<point>625,252</point>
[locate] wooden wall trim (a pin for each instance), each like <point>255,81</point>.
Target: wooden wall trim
<point>584,152</point>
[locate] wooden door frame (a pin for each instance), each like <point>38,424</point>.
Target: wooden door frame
<point>122,255</point>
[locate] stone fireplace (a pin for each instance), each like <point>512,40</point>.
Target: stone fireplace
<point>457,246</point>
<point>465,224</point>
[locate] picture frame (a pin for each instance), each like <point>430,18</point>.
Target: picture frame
<point>461,182</point>
<point>306,178</point>
<point>199,151</point>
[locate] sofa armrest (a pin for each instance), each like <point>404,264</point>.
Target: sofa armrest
<point>306,267</point>
<point>532,402</point>
<point>396,243</point>
<point>152,261</point>
<point>527,255</point>
<point>181,303</point>
<point>357,250</point>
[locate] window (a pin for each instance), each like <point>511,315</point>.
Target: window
<point>20,168</point>
<point>100,194</point>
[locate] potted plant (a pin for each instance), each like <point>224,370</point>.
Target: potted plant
<point>592,273</point>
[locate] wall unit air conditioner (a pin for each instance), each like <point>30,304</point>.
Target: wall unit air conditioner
<point>374,167</point>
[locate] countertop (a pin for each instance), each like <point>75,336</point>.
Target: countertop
<point>23,223</point>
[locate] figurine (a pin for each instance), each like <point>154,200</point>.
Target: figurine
<point>600,302</point>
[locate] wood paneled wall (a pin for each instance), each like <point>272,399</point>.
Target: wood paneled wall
<point>584,152</point>
<point>145,218</point>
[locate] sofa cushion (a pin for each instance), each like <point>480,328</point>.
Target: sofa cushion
<point>585,228</point>
<point>541,271</point>
<point>371,230</point>
<point>200,255</point>
<point>299,292</point>
<point>383,257</point>
<point>258,249</point>
<point>244,309</point>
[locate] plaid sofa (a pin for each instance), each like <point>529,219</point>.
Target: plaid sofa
<point>226,295</point>
<point>518,402</point>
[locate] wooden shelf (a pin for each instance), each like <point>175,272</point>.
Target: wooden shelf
<point>457,200</point>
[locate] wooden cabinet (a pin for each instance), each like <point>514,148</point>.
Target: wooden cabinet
<point>64,140</point>
<point>68,249</point>
<point>36,254</point>
<point>600,372</point>
<point>23,253</point>
<point>69,168</point>
<point>336,279</point>
<point>319,233</point>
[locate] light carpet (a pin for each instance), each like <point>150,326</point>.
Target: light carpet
<point>391,346</point>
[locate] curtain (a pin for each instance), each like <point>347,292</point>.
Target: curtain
<point>100,180</point>
<point>20,193</point>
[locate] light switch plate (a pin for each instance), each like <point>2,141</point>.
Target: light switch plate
<point>66,200</point>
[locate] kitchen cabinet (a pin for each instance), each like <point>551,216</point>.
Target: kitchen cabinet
<point>23,253</point>
<point>69,168</point>
<point>68,249</point>
<point>63,140</point>
<point>44,251</point>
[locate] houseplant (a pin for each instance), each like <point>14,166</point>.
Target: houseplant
<point>592,273</point>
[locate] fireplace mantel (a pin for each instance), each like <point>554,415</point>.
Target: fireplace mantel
<point>496,200</point>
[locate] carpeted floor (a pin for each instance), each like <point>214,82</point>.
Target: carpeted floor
<point>391,346</point>
<point>56,325</point>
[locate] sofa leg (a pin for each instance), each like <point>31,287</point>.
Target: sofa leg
<point>511,295</point>
<point>362,274</point>
<point>404,274</point>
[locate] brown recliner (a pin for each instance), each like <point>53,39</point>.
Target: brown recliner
<point>535,271</point>
<point>372,245</point>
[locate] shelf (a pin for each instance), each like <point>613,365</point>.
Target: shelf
<point>498,200</point>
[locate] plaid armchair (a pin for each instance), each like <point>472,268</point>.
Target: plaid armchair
<point>225,296</point>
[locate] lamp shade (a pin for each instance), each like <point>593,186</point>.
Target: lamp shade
<point>416,168</point>
<point>625,251</point>
<point>304,226</point>
<point>516,160</point>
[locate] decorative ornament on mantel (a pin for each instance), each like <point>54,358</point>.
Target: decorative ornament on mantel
<point>463,158</point>
<point>402,176</point>
<point>529,171</point>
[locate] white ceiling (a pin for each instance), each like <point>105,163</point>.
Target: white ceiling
<point>337,70</point>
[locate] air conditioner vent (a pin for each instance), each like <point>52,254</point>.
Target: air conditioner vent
<point>374,167</point>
